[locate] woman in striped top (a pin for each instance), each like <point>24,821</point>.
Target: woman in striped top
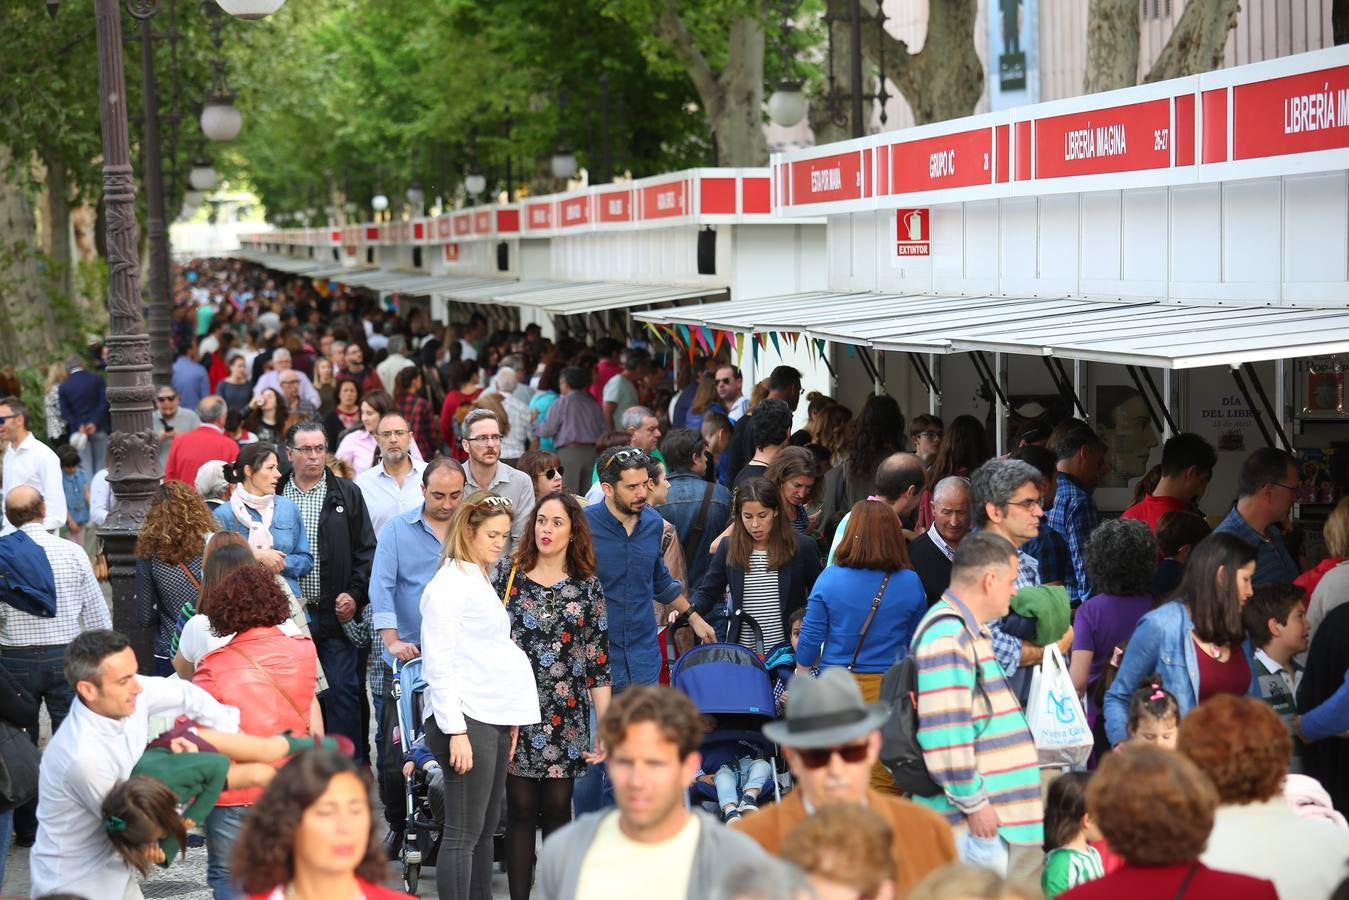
<point>768,568</point>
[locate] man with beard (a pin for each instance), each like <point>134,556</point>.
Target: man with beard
<point>486,471</point>
<point>406,557</point>
<point>393,486</point>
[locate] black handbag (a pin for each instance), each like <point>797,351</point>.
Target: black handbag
<point>18,767</point>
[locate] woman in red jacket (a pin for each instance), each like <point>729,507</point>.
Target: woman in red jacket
<point>311,836</point>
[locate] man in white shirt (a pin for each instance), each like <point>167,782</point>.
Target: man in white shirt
<point>730,389</point>
<point>28,461</point>
<point>652,735</point>
<point>281,363</point>
<point>394,363</point>
<point>486,472</point>
<point>95,748</point>
<point>395,485</point>
<point>620,392</point>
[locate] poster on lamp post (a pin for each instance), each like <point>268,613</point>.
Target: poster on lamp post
<point>1013,53</point>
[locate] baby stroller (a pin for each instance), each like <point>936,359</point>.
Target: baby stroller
<point>729,681</point>
<point>421,834</point>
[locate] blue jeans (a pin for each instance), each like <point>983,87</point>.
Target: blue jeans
<point>6,832</point>
<point>222,829</point>
<point>41,670</point>
<point>93,454</point>
<point>748,774</point>
<point>342,701</point>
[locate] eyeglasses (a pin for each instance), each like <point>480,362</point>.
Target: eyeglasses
<point>819,757</point>
<point>932,435</point>
<point>553,472</point>
<point>394,433</point>
<point>725,380</point>
<point>4,419</point>
<point>289,383</point>
<point>1292,487</point>
<point>623,456</point>
<point>1027,505</point>
<point>483,439</point>
<point>316,450</point>
<point>493,501</point>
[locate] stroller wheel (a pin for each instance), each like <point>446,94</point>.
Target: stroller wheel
<point>411,874</point>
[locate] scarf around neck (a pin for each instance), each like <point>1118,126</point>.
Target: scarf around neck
<point>259,530</point>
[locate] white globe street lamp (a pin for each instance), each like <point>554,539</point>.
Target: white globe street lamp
<point>220,120</point>
<point>564,164</point>
<point>379,203</point>
<point>193,198</point>
<point>251,9</point>
<point>202,175</point>
<point>787,105</point>
<point>475,183</point>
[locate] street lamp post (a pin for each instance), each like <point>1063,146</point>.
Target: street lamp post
<point>156,231</point>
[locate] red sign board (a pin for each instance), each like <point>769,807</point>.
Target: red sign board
<point>418,231</point>
<point>1131,138</point>
<point>574,211</point>
<point>482,222</point>
<point>1296,114</point>
<point>615,206</point>
<point>827,179</point>
<point>443,226</point>
<point>463,224</point>
<point>665,201</point>
<point>451,252</point>
<point>755,196</point>
<point>913,235</point>
<point>508,221</point>
<point>963,159</point>
<point>538,216</point>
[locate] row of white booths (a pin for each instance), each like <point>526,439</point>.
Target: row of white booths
<point>1170,257</point>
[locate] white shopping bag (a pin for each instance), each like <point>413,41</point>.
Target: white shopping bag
<point>1057,721</point>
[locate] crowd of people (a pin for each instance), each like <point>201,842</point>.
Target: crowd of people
<point>538,529</point>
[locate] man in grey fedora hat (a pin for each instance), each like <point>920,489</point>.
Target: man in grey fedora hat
<point>831,738</point>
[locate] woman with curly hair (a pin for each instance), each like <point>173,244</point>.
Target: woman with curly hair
<point>312,837</point>
<point>169,566</point>
<point>1244,748</point>
<point>558,619</point>
<point>1155,808</point>
<point>268,674</point>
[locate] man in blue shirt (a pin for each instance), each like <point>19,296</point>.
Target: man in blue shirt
<point>189,376</point>
<point>406,558</point>
<point>696,507</point>
<point>1081,466</point>
<point>1266,489</point>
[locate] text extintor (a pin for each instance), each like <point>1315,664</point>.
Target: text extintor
<point>913,236</point>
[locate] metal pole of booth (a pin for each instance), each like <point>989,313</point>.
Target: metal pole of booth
<point>1001,409</point>
<point>934,390</point>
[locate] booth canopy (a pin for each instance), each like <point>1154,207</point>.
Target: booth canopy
<point>580,298</point>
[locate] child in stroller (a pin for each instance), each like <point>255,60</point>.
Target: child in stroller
<point>419,758</point>
<point>736,768</point>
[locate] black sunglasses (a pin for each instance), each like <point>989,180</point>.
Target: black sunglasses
<point>552,472</point>
<point>622,456</point>
<point>819,757</point>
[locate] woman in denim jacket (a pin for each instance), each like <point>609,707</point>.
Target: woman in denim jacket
<point>270,523</point>
<point>1204,619</point>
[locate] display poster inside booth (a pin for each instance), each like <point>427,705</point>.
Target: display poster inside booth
<point>1013,53</point>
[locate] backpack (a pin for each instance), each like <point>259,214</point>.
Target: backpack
<point>900,751</point>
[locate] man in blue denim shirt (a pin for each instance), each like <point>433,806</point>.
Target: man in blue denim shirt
<point>1266,489</point>
<point>630,566</point>
<point>683,506</point>
<point>1082,465</point>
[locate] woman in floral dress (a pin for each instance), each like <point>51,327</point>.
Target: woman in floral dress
<point>558,619</point>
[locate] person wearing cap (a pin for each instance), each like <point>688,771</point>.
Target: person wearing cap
<point>831,738</point>
<point>975,741</point>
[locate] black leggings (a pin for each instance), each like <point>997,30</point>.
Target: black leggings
<point>531,804</point>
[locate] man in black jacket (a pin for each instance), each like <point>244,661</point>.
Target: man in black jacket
<point>932,551</point>
<point>336,591</point>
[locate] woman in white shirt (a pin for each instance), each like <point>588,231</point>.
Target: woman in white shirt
<point>479,689</point>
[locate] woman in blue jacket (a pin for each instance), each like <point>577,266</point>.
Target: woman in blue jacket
<point>1196,643</point>
<point>768,568</point>
<point>271,524</point>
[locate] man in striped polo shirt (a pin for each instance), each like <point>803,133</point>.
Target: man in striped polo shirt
<point>975,740</point>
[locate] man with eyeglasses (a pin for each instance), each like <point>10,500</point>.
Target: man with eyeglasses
<point>730,389</point>
<point>290,390</point>
<point>831,738</point>
<point>337,588</point>
<point>28,461</point>
<point>393,486</point>
<point>171,420</point>
<point>282,366</point>
<point>486,471</point>
<point>975,741</point>
<point>193,450</point>
<point>1266,490</point>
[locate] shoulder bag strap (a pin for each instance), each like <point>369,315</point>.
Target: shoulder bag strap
<point>506,594</point>
<point>268,675</point>
<point>875,605</point>
<point>190,577</point>
<point>1189,876</point>
<point>700,526</point>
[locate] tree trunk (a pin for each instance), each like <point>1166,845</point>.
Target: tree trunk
<point>1339,21</point>
<point>1112,45</point>
<point>942,81</point>
<point>58,218</point>
<point>1198,42</point>
<point>733,98</point>
<point>25,338</point>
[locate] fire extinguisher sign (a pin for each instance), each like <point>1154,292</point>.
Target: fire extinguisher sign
<point>913,236</point>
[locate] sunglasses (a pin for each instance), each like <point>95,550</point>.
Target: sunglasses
<point>492,501</point>
<point>724,380</point>
<point>623,456</point>
<point>819,757</point>
<point>552,472</point>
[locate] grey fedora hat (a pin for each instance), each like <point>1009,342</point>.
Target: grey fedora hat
<point>825,712</point>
